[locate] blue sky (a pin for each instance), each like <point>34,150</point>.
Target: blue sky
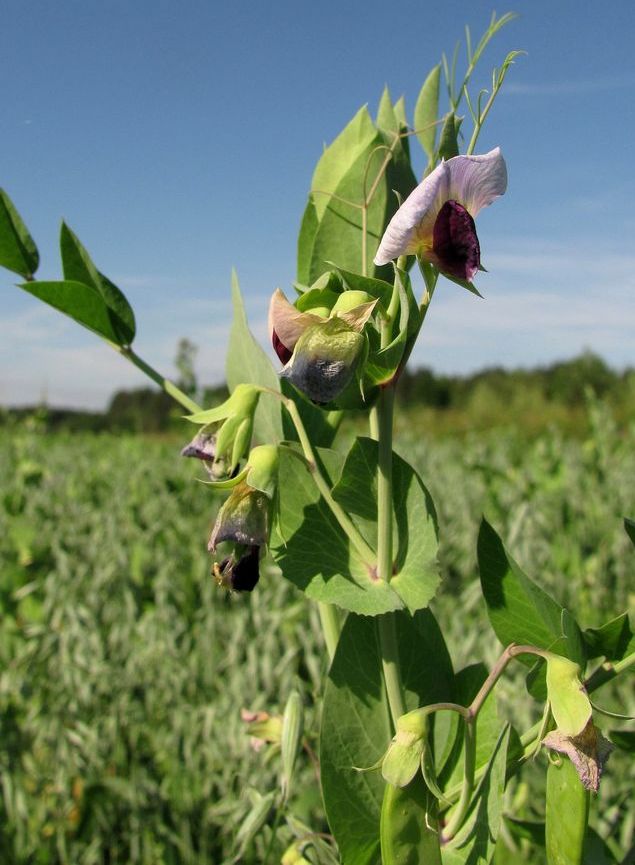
<point>178,140</point>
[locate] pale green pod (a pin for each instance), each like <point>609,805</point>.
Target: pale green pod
<point>253,822</point>
<point>291,741</point>
<point>566,814</point>
<point>408,832</point>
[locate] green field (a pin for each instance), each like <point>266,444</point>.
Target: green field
<point>123,668</point>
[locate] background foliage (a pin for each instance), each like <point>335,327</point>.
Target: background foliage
<point>122,666</point>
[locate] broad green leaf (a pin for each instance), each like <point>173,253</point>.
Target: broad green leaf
<point>476,840</point>
<point>613,641</point>
<point>449,139</point>
<point>518,609</point>
<point>332,225</point>
<point>565,796</point>
<point>356,728</point>
<point>313,551</point>
<point>18,251</point>
<point>386,117</point>
<point>306,238</point>
<point>415,542</point>
<point>426,111</point>
<point>247,363</point>
<point>78,267</point>
<point>406,815</point>
<point>629,525</point>
<point>340,157</point>
<point>400,113</point>
<point>81,302</point>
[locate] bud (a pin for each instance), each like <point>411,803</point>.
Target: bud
<point>203,447</point>
<point>325,359</point>
<point>226,436</point>
<point>245,520</point>
<point>263,728</point>
<point>403,757</point>
<point>570,705</point>
<point>320,339</point>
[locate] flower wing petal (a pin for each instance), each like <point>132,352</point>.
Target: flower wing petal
<point>476,181</point>
<point>286,321</point>
<point>411,226</point>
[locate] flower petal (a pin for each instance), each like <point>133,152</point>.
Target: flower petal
<point>455,244</point>
<point>412,224</point>
<point>286,323</point>
<point>476,181</point>
<point>472,181</point>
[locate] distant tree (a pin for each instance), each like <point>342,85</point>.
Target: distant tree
<point>186,353</point>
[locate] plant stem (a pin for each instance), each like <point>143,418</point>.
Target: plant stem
<point>330,620</point>
<point>469,766</point>
<point>164,383</point>
<point>386,626</point>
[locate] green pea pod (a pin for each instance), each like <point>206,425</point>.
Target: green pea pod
<point>567,814</point>
<point>407,833</point>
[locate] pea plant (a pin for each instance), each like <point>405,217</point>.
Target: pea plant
<point>413,759</point>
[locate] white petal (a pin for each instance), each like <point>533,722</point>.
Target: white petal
<point>288,322</point>
<point>476,181</point>
<point>411,226</point>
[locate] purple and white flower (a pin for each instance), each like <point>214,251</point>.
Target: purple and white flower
<point>436,221</point>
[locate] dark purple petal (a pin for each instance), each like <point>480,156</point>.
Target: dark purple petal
<point>280,349</point>
<point>241,575</point>
<point>455,244</point>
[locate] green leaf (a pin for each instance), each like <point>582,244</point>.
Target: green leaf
<point>247,363</point>
<point>426,111</point>
<point>18,251</point>
<point>415,543</point>
<point>449,139</point>
<point>332,225</point>
<point>312,550</point>
<point>405,818</point>
<point>356,729</point>
<point>476,840</point>
<point>613,641</point>
<point>518,609</point>
<point>81,302</point>
<point>78,267</point>
<point>306,238</point>
<point>629,525</point>
<point>386,117</point>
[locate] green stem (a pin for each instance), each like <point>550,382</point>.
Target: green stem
<point>469,767</point>
<point>330,620</point>
<point>386,626</point>
<point>164,383</point>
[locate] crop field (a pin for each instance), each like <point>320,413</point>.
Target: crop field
<point>123,667</point>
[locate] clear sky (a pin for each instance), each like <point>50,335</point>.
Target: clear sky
<point>178,140</point>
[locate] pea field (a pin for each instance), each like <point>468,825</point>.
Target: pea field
<point>124,667</point>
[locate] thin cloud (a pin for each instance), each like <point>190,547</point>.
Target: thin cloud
<point>560,88</point>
